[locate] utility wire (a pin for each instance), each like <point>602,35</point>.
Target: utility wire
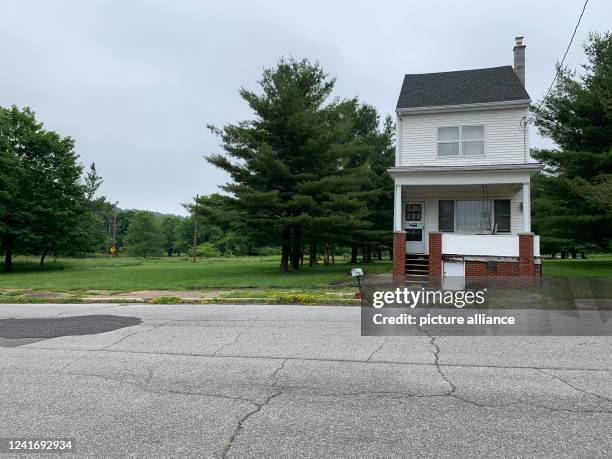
<point>566,51</point>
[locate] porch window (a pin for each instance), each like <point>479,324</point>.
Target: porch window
<point>446,215</point>
<point>501,214</point>
<point>461,141</point>
<point>473,216</point>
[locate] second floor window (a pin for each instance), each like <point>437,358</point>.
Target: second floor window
<point>461,141</point>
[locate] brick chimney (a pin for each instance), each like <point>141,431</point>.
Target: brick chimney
<point>519,59</point>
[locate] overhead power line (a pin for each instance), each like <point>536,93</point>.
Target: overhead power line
<point>567,50</point>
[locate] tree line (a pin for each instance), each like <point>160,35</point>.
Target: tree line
<point>50,205</point>
<point>150,234</point>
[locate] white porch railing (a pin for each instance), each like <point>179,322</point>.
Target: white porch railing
<point>492,245</point>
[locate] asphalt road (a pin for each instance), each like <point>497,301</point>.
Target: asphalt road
<point>293,381</point>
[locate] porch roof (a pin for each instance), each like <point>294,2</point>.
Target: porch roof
<point>464,175</point>
<point>468,168</point>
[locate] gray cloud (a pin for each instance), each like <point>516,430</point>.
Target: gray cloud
<point>135,83</point>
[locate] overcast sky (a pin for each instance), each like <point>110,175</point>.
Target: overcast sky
<point>135,83</point>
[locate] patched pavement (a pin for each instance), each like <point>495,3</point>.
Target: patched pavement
<point>279,381</point>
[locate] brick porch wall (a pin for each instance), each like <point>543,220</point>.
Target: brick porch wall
<point>399,256</point>
<point>527,267</point>
<point>435,254</point>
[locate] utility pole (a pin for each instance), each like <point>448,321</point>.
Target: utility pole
<point>195,227</point>
<point>113,250</point>
<point>115,230</point>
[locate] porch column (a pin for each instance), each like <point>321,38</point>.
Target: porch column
<point>526,208</point>
<point>397,209</point>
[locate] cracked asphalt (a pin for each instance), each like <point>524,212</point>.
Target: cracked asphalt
<point>297,381</point>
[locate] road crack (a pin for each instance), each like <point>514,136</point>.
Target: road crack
<point>436,363</point>
<point>240,425</point>
<point>160,391</point>
<point>319,359</point>
<point>276,371</point>
<point>583,391</point>
<point>258,408</point>
<point>234,341</point>
<point>378,348</point>
<point>155,327</point>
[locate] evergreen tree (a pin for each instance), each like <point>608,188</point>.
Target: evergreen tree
<point>295,169</point>
<point>92,182</point>
<point>572,197</point>
<point>97,219</point>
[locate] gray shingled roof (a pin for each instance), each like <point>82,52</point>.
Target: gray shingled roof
<point>496,84</point>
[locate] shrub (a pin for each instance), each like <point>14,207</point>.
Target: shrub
<point>207,250</point>
<point>294,298</point>
<point>165,300</point>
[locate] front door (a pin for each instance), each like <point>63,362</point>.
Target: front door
<point>414,216</point>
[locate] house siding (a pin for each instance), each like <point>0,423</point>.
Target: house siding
<point>505,140</point>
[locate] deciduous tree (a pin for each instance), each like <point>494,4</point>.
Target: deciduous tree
<point>143,234</point>
<point>42,213</point>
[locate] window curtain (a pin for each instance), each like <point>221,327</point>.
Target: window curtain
<point>448,141</point>
<point>473,216</point>
<point>473,140</point>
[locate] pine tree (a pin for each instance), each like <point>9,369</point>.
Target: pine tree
<point>572,197</point>
<point>288,165</point>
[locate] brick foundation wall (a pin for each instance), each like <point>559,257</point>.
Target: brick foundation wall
<point>399,256</point>
<point>504,274</point>
<point>481,269</point>
<point>435,254</point>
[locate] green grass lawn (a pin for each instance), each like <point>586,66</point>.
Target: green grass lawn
<point>125,274</point>
<point>597,265</point>
<point>130,274</point>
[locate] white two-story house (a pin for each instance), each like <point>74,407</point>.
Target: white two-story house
<point>462,174</point>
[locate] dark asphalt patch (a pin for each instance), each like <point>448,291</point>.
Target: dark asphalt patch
<point>53,327</point>
<point>18,341</point>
